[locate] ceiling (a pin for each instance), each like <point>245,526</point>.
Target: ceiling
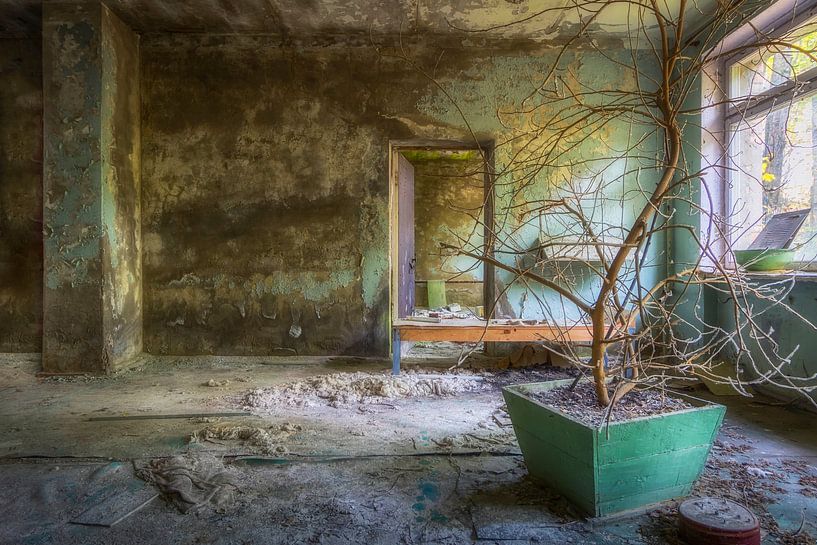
<point>533,19</point>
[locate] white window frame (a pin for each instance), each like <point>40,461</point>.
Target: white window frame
<point>717,114</point>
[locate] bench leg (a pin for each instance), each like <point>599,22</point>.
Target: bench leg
<point>395,352</point>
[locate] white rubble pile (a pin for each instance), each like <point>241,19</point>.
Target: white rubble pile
<point>344,389</point>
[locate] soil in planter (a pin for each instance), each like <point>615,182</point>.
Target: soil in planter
<point>581,403</point>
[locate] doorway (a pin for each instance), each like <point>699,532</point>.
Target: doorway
<point>441,194</point>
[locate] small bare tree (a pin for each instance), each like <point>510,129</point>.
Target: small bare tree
<point>602,205</point>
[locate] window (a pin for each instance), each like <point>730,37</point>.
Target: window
<point>771,131</point>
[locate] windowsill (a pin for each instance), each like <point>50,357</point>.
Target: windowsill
<point>805,276</point>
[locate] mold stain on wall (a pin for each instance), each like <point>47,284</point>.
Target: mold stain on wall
<point>21,267</point>
<point>265,201</point>
<point>263,219</point>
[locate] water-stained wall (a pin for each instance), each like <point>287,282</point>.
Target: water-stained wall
<point>20,195</point>
<point>265,184</point>
<point>265,197</point>
<point>264,209</point>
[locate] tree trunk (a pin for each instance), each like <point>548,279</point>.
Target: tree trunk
<point>598,350</point>
<point>775,141</point>
<point>775,150</point>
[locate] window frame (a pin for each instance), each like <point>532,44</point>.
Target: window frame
<point>718,113</point>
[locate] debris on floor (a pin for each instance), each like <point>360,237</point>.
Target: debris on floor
<point>191,482</point>
<point>345,389</point>
<point>113,506</point>
<point>447,312</point>
<point>534,355</point>
<point>264,441</point>
<point>477,441</point>
<point>443,469</point>
<point>111,494</point>
<point>734,472</point>
<point>518,523</point>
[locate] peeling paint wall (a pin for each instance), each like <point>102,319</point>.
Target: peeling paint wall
<point>90,190</point>
<point>21,104</point>
<point>265,207</point>
<point>265,185</point>
<point>72,100</point>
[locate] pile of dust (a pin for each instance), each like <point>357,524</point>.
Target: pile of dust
<point>192,482</point>
<point>214,383</point>
<point>266,441</point>
<point>344,389</point>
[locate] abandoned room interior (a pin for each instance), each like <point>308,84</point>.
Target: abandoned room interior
<point>408,271</point>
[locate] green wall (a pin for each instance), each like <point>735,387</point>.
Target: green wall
<point>707,310</point>
<point>789,337</point>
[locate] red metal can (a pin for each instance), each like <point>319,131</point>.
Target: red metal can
<point>715,521</point>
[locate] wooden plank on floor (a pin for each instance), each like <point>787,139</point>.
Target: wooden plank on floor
<point>167,416</point>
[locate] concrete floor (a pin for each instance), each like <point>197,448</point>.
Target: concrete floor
<point>417,470</point>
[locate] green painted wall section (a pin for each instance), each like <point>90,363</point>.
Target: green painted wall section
<point>789,337</point>
<point>501,84</point>
<point>683,250</point>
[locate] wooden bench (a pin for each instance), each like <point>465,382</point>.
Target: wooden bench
<point>474,331</point>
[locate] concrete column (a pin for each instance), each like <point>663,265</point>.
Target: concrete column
<point>92,297</point>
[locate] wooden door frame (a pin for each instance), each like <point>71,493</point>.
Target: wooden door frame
<point>487,149</point>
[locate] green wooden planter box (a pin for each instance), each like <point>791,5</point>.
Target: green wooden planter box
<point>624,466</point>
